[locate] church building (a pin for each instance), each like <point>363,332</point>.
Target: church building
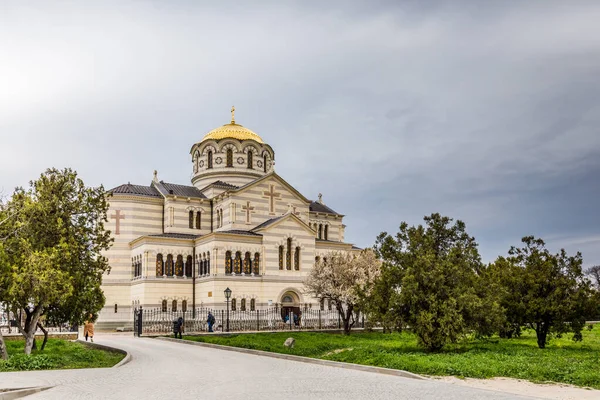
<point>239,225</point>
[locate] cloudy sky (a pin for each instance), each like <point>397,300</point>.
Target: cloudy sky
<point>484,111</point>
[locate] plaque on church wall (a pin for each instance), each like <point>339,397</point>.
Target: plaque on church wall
<point>218,160</point>
<point>240,160</point>
<point>201,163</point>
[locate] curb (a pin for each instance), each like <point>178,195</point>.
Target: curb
<point>109,348</point>
<point>17,394</point>
<point>337,364</point>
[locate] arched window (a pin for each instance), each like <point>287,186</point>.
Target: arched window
<point>233,304</point>
<point>265,162</point>
<point>191,220</point>
<point>280,257</point>
<point>288,256</point>
<point>229,158</point>
<point>188,267</point>
<point>116,308</point>
<point>247,264</point>
<point>208,263</point>
<point>174,306</point>
<point>252,304</point>
<point>169,266</point>
<point>297,259</point>
<point>256,266</point>
<point>322,304</point>
<point>329,304</point>
<point>159,265</point>
<point>317,259</point>
<point>243,305</point>
<point>210,159</point>
<point>198,220</point>
<point>179,265</point>
<point>326,231</point>
<point>228,262</point>
<point>163,306</point>
<point>250,163</point>
<point>320,231</point>
<point>184,306</point>
<point>237,263</point>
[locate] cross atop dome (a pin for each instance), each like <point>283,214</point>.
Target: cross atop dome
<point>233,115</point>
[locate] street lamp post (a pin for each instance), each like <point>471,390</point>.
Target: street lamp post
<point>227,296</point>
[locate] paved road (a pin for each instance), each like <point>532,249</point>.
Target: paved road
<point>165,370</point>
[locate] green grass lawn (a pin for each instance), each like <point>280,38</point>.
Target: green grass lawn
<point>58,354</point>
<point>563,360</point>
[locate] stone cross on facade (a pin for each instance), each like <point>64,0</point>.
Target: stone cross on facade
<point>271,194</point>
<point>248,210</point>
<point>118,217</point>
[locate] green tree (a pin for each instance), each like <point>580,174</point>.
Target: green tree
<point>594,273</point>
<point>437,277</point>
<point>54,243</point>
<point>546,292</point>
<point>4,272</point>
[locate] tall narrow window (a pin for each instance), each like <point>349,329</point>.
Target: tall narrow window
<point>159,265</point>
<point>280,257</point>
<point>229,158</point>
<point>237,263</point>
<point>243,305</point>
<point>252,304</point>
<point>210,159</point>
<point>329,304</point>
<point>228,262</point>
<point>233,304</point>
<point>198,220</point>
<point>116,308</point>
<point>208,263</point>
<point>326,231</point>
<point>320,231</point>
<point>163,306</point>
<point>256,266</point>
<point>247,264</point>
<point>297,259</point>
<point>322,304</point>
<point>179,266</point>
<point>184,306</point>
<point>265,162</point>
<point>191,220</point>
<point>288,256</point>
<point>169,266</point>
<point>250,162</point>
<point>174,306</point>
<point>188,267</point>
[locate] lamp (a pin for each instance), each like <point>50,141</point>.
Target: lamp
<point>227,296</point>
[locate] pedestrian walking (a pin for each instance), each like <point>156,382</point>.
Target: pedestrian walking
<point>178,327</point>
<point>210,321</point>
<point>88,328</point>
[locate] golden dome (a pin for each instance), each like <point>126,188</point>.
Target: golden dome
<point>233,131</point>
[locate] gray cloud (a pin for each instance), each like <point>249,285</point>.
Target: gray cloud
<point>393,110</point>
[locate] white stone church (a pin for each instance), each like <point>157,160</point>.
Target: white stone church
<point>240,225</point>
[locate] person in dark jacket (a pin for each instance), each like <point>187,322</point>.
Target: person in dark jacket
<point>210,321</point>
<point>178,327</point>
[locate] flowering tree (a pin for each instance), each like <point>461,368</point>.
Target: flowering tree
<point>343,278</point>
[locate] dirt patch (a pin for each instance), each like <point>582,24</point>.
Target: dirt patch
<point>555,391</point>
<point>336,351</point>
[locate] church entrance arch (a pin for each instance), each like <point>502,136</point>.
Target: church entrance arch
<point>290,303</point>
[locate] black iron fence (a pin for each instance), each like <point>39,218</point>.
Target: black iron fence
<point>157,322</point>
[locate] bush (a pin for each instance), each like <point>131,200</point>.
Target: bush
<point>22,362</point>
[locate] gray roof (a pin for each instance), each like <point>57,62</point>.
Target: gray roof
<point>176,236</point>
<point>267,222</point>
<point>224,185</point>
<point>315,206</point>
<point>179,190</point>
<point>136,190</point>
<point>240,232</point>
